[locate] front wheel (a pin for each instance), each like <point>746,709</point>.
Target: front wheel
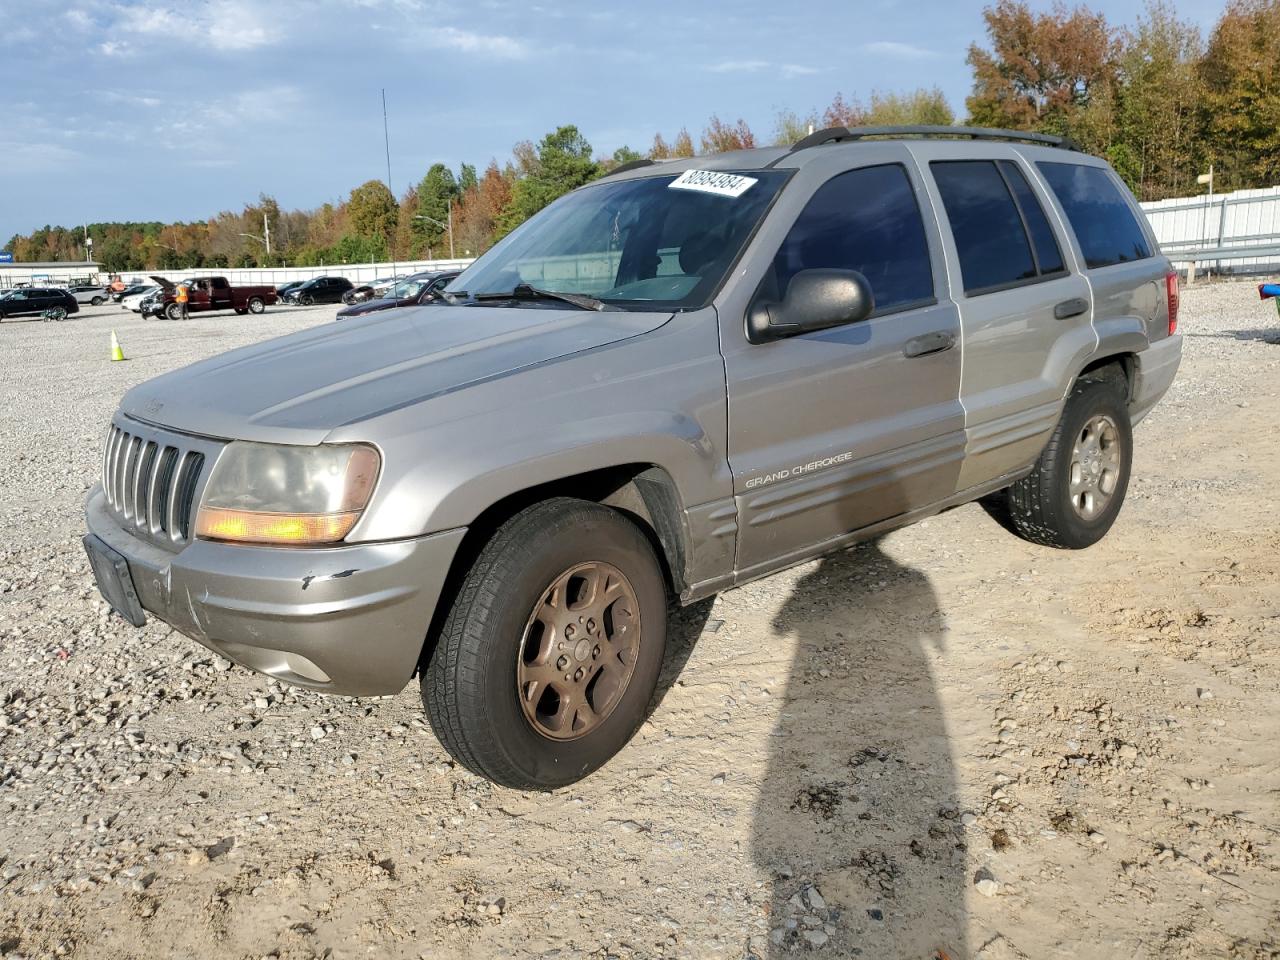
<point>307,300</point>
<point>256,305</point>
<point>550,653</point>
<point>1073,495</point>
<point>96,302</point>
<point>173,311</point>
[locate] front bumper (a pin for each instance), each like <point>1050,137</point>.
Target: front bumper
<point>348,619</point>
<point>1154,370</point>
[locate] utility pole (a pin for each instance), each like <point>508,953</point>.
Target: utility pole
<point>266,232</point>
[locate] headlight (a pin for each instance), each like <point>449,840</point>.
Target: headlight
<point>263,493</point>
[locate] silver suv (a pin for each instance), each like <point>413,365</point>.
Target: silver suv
<point>677,379</point>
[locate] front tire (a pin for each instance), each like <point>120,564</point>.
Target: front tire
<point>173,311</point>
<point>307,300</point>
<point>550,653</point>
<point>96,302</point>
<point>1073,495</point>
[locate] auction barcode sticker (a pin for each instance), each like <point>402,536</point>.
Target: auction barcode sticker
<point>710,181</point>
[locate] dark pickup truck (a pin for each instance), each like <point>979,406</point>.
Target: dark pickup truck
<point>209,293</point>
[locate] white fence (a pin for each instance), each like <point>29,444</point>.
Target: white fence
<point>1245,218</point>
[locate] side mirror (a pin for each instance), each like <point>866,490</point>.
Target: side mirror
<point>815,300</point>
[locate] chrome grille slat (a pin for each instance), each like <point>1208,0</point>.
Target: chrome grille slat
<point>174,487</point>
<point>142,484</point>
<point>130,473</point>
<point>113,476</point>
<point>150,479</point>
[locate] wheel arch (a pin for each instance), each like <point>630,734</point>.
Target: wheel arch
<point>1119,366</point>
<point>645,493</point>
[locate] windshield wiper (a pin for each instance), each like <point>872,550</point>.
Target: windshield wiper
<point>524,291</point>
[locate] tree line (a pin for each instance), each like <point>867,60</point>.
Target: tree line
<point>1156,99</point>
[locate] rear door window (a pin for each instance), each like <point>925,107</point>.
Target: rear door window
<point>991,240</point>
<point>1103,221</point>
<point>867,220</point>
<point>1043,242</point>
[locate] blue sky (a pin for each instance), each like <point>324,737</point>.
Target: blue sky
<point>119,110</point>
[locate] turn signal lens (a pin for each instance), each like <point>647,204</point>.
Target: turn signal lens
<point>1171,288</point>
<point>219,523</point>
<point>293,496</point>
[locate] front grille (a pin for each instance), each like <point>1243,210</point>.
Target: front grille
<point>150,483</point>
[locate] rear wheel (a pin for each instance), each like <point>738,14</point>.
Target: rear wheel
<point>550,653</point>
<point>256,305</point>
<point>1073,495</point>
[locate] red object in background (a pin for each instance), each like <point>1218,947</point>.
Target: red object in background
<point>1171,288</point>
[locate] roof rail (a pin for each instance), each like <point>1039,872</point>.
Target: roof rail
<point>632,165</point>
<point>844,134</point>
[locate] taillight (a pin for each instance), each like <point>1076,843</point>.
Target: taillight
<point>1171,288</point>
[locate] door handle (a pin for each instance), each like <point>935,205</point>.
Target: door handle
<point>928,343</point>
<point>1070,308</point>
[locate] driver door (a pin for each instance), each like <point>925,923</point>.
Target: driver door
<point>836,430</point>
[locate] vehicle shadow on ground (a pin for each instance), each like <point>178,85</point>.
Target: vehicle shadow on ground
<point>684,626</point>
<point>1265,334</point>
<point>857,822</point>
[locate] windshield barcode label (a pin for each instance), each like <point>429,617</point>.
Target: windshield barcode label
<point>709,181</point>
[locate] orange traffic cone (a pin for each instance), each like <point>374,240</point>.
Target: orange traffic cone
<point>116,352</point>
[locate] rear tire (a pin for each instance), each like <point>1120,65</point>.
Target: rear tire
<point>484,688</point>
<point>255,305</point>
<point>1073,495</point>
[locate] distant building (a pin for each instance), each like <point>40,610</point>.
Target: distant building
<point>57,272</point>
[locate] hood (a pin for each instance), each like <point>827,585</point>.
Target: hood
<point>297,388</point>
<point>371,306</point>
<point>163,284</point>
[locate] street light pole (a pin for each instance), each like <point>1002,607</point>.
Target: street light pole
<point>447,226</point>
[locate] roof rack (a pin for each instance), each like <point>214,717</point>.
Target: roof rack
<point>844,134</point>
<point>632,165</point>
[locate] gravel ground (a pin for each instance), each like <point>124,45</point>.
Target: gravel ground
<point>947,743</point>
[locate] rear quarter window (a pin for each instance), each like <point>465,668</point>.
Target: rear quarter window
<point>1103,221</point>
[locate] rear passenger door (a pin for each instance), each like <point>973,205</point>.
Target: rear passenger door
<point>836,430</point>
<point>1024,311</point>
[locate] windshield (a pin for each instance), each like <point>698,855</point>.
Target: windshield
<point>406,289</point>
<point>647,244</point>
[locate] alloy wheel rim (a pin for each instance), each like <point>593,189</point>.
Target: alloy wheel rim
<point>579,650</point>
<point>1095,466</point>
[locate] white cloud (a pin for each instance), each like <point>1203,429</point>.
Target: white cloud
<point>899,51</point>
<point>787,71</point>
<point>495,45</point>
<point>790,70</point>
<point>739,66</point>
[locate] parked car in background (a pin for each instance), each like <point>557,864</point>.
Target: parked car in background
<point>33,301</point>
<point>319,290</point>
<point>210,293</point>
<point>133,301</point>
<point>89,294</point>
<point>416,289</point>
<point>284,288</point>
<point>130,290</point>
<point>371,291</point>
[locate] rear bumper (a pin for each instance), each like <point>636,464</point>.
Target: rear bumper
<point>347,620</point>
<point>1154,370</point>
